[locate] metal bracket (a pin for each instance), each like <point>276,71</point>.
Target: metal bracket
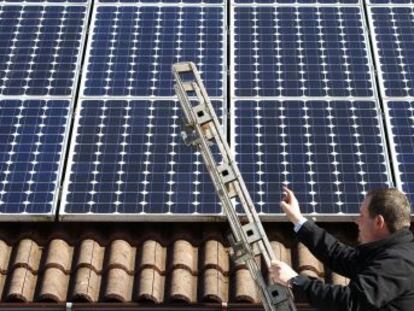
<point>281,297</point>
<point>201,111</point>
<point>226,173</point>
<point>238,252</point>
<point>251,232</point>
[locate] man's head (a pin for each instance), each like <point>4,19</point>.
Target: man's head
<point>383,212</point>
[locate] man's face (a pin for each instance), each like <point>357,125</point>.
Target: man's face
<point>366,224</point>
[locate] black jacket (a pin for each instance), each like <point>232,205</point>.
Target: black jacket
<point>381,273</point>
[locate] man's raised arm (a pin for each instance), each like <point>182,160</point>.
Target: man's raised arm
<point>336,255</point>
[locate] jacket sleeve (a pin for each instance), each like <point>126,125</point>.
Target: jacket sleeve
<point>334,254</point>
<point>374,288</point>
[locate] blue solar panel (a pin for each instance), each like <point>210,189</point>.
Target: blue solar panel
<point>128,157</point>
<point>329,152</point>
<point>133,49</point>
<point>47,1</point>
<point>300,51</point>
<point>401,117</point>
<point>39,48</point>
<point>164,1</point>
<point>299,1</point>
<point>394,36</point>
<point>32,134</point>
<point>390,1</point>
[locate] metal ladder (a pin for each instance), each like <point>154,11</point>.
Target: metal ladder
<point>201,129</point>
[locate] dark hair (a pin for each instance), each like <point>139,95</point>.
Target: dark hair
<point>393,205</point>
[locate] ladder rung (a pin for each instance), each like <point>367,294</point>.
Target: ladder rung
<point>183,67</point>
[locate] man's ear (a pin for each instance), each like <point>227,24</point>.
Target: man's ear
<point>380,221</point>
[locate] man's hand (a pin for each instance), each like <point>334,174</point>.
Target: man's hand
<point>281,272</point>
<point>290,206</point>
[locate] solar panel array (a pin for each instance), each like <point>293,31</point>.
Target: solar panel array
<point>306,112</point>
<point>305,83</point>
<point>40,48</point>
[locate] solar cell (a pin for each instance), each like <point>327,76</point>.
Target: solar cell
<point>300,51</point>
<point>400,115</point>
<point>32,137</point>
<point>128,158</point>
<point>132,49</point>
<point>393,33</point>
<point>329,152</point>
<point>39,47</point>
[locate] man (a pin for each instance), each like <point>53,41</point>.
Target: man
<point>380,269</point>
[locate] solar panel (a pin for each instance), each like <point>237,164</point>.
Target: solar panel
<point>400,115</point>
<point>32,138</point>
<point>298,1</point>
<point>43,1</point>
<point>165,1</point>
<point>393,29</point>
<point>300,51</point>
<point>39,48</point>
<point>128,158</point>
<point>329,152</point>
<point>390,1</point>
<point>132,49</point>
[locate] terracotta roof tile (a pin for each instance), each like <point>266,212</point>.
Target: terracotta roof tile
<point>215,285</point>
<point>22,285</point>
<point>91,255</point>
<point>60,255</point>
<point>55,285</point>
<point>87,285</point>
<point>216,256</point>
<point>308,264</point>
<point>281,252</point>
<point>5,251</point>
<point>183,285</point>
<point>185,256</point>
<point>151,285</point>
<point>153,254</point>
<point>119,285</point>
<point>28,255</point>
<point>245,289</point>
<point>122,255</point>
<point>146,263</point>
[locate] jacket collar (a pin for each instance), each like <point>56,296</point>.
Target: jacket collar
<point>399,237</point>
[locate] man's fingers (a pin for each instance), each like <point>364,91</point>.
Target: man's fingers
<point>287,190</point>
<point>284,205</point>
